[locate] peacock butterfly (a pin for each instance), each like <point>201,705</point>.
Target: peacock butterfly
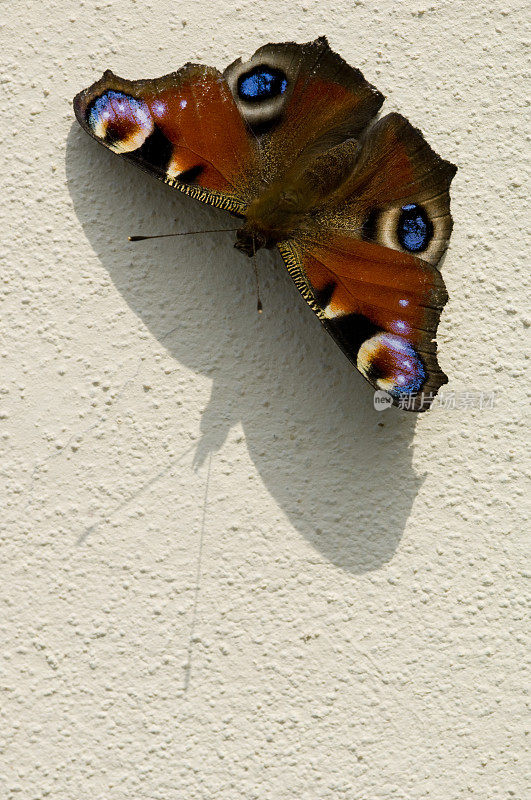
<point>288,141</point>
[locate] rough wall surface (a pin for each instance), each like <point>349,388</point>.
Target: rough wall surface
<point>223,574</point>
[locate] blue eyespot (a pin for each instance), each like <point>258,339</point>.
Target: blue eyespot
<point>261,83</point>
<point>407,375</point>
<point>392,363</point>
<point>114,106</point>
<point>415,228</point>
<point>121,121</point>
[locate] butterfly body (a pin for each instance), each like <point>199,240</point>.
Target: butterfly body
<point>288,142</point>
<point>281,213</point>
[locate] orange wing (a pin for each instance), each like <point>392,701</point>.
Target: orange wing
<point>382,308</point>
<point>183,128</point>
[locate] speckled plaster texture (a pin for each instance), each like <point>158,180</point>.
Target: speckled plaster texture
<point>224,576</point>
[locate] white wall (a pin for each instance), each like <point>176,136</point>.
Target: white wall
<point>354,626</point>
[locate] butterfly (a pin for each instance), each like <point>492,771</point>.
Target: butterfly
<point>290,143</point>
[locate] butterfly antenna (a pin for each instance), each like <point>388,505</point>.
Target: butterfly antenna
<point>258,301</point>
<point>184,233</point>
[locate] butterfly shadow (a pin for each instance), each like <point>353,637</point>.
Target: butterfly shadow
<point>340,471</point>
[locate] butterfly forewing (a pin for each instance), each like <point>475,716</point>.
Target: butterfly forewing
<point>183,128</point>
<point>300,100</point>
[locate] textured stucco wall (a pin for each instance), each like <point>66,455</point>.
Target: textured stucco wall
<point>223,574</point>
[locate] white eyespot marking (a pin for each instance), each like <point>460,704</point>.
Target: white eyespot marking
<point>399,326</point>
<point>183,103</point>
<point>331,311</point>
<point>158,107</point>
<point>403,303</point>
<point>175,168</point>
<point>386,385</point>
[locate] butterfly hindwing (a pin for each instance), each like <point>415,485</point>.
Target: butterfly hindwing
<point>366,262</point>
<point>382,308</point>
<point>397,193</point>
<point>184,128</point>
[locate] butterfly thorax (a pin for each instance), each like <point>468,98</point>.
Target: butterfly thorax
<point>275,215</point>
<point>284,209</point>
